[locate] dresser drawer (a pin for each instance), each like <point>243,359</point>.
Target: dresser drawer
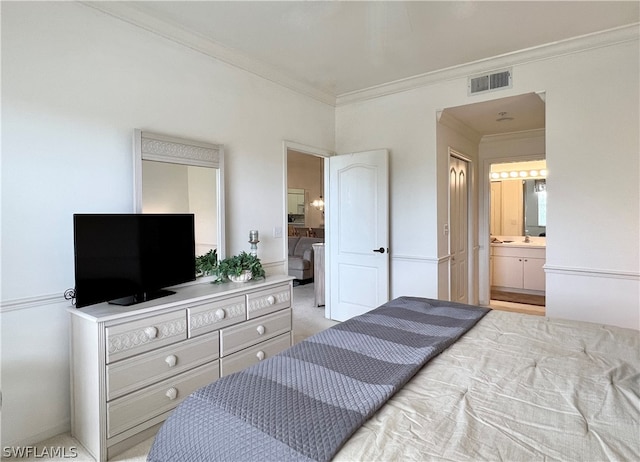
<point>249,333</point>
<point>136,408</point>
<point>146,369</point>
<point>253,355</point>
<point>215,315</point>
<point>268,301</point>
<point>132,338</point>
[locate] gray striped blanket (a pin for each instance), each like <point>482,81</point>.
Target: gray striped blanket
<point>304,403</point>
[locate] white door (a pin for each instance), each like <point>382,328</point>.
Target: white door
<point>458,230</point>
<point>358,233</point>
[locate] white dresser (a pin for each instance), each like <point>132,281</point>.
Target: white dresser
<point>130,366</point>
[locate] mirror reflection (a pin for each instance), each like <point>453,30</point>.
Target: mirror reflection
<point>178,175</point>
<point>518,199</point>
<point>177,188</point>
<point>535,207</point>
<point>296,205</point>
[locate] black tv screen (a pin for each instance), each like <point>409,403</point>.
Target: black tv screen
<point>130,258</point>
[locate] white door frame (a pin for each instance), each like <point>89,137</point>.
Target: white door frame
<point>472,246</point>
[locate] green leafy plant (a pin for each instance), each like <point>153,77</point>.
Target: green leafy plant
<point>207,264</point>
<point>235,265</point>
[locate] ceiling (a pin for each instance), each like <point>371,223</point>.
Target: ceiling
<point>335,48</point>
<point>503,115</point>
<point>345,46</point>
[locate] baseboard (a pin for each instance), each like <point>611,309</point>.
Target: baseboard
<point>63,427</point>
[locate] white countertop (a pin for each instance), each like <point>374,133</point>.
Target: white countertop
<point>518,241</point>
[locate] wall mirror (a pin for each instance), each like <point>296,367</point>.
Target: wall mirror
<point>296,204</point>
<point>535,207</point>
<point>176,175</point>
<point>518,199</point>
<point>519,207</point>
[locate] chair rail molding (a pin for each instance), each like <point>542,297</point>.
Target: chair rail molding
<point>592,272</point>
<point>30,302</point>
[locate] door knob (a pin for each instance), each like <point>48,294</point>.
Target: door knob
<point>380,250</point>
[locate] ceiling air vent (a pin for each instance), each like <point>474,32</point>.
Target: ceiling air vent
<point>489,82</point>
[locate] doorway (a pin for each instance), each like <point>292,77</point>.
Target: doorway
<point>304,194</point>
<point>518,235</point>
<point>501,130</point>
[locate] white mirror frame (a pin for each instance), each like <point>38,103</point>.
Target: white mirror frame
<point>163,148</point>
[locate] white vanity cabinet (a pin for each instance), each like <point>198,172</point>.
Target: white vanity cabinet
<point>515,267</point>
<point>130,366</point>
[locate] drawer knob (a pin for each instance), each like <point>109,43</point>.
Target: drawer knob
<point>271,299</point>
<point>260,355</point>
<point>260,330</point>
<point>151,332</point>
<point>220,314</point>
<point>171,360</point>
<point>171,393</point>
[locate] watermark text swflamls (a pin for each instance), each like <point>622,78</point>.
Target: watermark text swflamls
<point>45,452</point>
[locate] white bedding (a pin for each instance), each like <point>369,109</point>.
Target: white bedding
<point>515,388</point>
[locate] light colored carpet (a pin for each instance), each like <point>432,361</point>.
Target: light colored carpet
<point>307,320</point>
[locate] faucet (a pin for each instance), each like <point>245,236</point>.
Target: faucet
<point>527,238</point>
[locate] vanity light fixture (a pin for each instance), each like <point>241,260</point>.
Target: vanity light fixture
<point>518,174</point>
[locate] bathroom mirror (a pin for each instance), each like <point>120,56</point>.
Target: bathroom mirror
<point>518,207</point>
<point>175,175</point>
<point>535,207</point>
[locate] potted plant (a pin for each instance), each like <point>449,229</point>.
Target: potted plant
<point>241,268</point>
<point>207,264</point>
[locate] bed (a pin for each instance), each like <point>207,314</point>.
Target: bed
<point>453,382</point>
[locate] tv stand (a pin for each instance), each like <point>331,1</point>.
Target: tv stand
<point>141,297</point>
<point>131,365</point>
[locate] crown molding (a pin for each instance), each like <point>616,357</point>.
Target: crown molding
<point>127,13</point>
<point>542,52</point>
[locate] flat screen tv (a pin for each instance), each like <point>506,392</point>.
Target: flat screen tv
<point>126,259</point>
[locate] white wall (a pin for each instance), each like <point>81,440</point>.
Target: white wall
<point>592,148</point>
<point>75,83</point>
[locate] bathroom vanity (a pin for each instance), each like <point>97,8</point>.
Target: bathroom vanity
<point>518,266</point>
